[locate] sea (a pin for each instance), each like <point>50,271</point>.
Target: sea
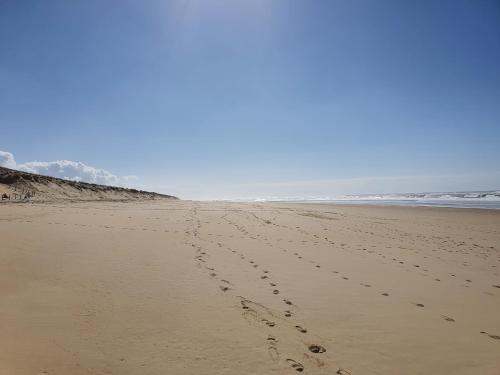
<point>465,199</point>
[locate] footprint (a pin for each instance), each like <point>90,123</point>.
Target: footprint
<point>496,337</point>
<point>301,329</point>
<point>385,294</point>
<point>447,318</point>
<point>264,277</point>
<point>257,312</point>
<point>272,348</point>
<point>317,348</point>
<point>288,313</point>
<point>276,291</point>
<point>272,284</point>
<point>419,304</point>
<point>295,365</point>
<point>224,288</point>
<point>288,302</point>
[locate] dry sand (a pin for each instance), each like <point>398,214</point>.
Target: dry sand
<point>172,287</point>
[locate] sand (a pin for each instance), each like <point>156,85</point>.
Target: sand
<point>24,186</point>
<point>176,287</point>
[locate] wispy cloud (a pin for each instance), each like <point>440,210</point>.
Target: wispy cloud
<point>68,170</point>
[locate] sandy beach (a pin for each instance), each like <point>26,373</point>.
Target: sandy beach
<point>179,287</point>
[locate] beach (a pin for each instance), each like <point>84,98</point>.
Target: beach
<point>184,287</point>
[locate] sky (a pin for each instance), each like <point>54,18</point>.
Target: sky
<point>226,99</point>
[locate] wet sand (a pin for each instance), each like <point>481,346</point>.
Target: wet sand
<point>173,287</point>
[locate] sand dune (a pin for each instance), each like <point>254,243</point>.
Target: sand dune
<point>173,287</point>
<point>23,186</point>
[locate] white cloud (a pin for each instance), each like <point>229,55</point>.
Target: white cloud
<point>7,160</point>
<point>68,170</point>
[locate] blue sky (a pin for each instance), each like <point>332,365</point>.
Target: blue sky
<point>226,99</point>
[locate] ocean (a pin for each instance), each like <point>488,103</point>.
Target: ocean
<point>468,199</point>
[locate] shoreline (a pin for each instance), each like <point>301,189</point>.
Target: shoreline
<point>383,205</point>
<point>313,203</point>
<point>349,204</point>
